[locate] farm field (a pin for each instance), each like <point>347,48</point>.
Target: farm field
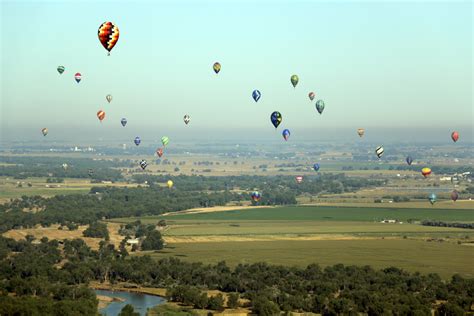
<point>412,255</point>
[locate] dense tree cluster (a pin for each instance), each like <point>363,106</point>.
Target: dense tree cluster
<point>192,296</point>
<point>35,275</point>
<point>96,230</point>
<point>444,224</point>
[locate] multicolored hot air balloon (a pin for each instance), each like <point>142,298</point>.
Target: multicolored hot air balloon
<point>216,67</point>
<point>432,198</point>
<point>143,164</point>
<point>299,179</point>
<point>256,196</point>
<point>137,140</point>
<point>379,151</point>
<point>108,35</point>
<point>294,80</point>
<point>100,115</point>
<point>455,136</point>
<point>169,184</point>
<point>256,95</point>
<point>123,122</point>
<point>361,132</point>
<point>320,106</point>
<point>425,172</point>
<point>44,131</point>
<point>165,140</point>
<point>186,119</point>
<point>316,167</point>
<point>108,98</point>
<point>409,160</point>
<point>454,195</point>
<point>276,118</point>
<point>159,152</point>
<point>286,134</point>
<point>311,95</point>
<point>78,77</point>
<point>61,69</point>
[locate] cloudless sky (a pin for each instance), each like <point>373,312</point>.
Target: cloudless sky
<point>402,65</point>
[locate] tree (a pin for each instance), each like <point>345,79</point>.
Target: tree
<point>262,306</point>
<point>153,241</point>
<point>128,310</point>
<point>233,300</point>
<point>216,302</point>
<point>97,230</point>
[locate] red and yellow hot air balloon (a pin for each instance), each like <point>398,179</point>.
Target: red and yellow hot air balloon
<point>108,35</point>
<point>426,172</point>
<point>101,115</point>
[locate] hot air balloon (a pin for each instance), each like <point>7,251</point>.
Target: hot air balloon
<point>286,134</point>
<point>409,160</point>
<point>256,196</point>
<point>216,67</point>
<point>65,166</point>
<point>455,136</point>
<point>379,151</point>
<point>44,131</point>
<point>316,167</point>
<point>108,98</point>
<point>61,69</point>
<point>78,77</point>
<point>432,198</point>
<point>137,140</point>
<point>165,140</point>
<point>108,35</point>
<point>159,152</point>
<point>426,172</point>
<point>294,80</point>
<point>169,184</point>
<point>454,195</point>
<point>256,95</point>
<point>123,122</point>
<point>320,106</point>
<point>90,172</point>
<point>100,115</point>
<point>143,164</point>
<point>276,118</point>
<point>299,179</point>
<point>361,132</point>
<point>186,119</point>
<point>311,96</point>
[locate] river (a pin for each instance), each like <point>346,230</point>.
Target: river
<point>140,302</point>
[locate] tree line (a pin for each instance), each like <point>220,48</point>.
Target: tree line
<point>445,224</point>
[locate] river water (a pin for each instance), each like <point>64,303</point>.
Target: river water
<point>140,302</point>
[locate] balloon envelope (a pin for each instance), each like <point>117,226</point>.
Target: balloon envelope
<point>409,160</point>
<point>294,80</point>
<point>432,198</point>
<point>108,35</point>
<point>216,67</point>
<point>165,140</point>
<point>311,96</point>
<point>299,179</point>
<point>256,196</point>
<point>426,172</point>
<point>143,164</point>
<point>454,195</point>
<point>361,132</point>
<point>186,119</point>
<point>169,184</point>
<point>159,152</point>
<point>108,98</point>
<point>44,131</point>
<point>123,122</point>
<point>137,140</point>
<point>286,134</point>
<point>78,77</point>
<point>61,69</point>
<point>379,151</point>
<point>316,166</point>
<point>320,106</point>
<point>100,115</point>
<point>256,95</point>
<point>276,118</point>
<point>455,136</point>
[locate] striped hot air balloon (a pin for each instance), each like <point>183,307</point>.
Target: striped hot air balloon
<point>61,69</point>
<point>143,164</point>
<point>379,151</point>
<point>78,77</point>
<point>165,140</point>
<point>101,115</point>
<point>299,179</point>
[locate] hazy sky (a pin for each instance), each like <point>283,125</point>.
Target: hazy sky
<point>375,64</point>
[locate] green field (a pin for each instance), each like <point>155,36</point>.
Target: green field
<point>445,259</point>
<point>328,213</point>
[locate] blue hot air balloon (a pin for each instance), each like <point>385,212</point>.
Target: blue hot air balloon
<point>123,122</point>
<point>409,160</point>
<point>276,118</point>
<point>286,134</point>
<point>316,167</point>
<point>432,198</point>
<point>137,140</point>
<point>256,95</point>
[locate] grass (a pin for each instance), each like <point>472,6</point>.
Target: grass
<point>328,213</point>
<point>445,259</point>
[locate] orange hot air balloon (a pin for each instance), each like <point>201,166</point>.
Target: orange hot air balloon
<point>108,35</point>
<point>101,115</point>
<point>426,172</point>
<point>455,136</point>
<point>159,152</point>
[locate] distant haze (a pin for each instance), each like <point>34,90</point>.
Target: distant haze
<point>402,70</point>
